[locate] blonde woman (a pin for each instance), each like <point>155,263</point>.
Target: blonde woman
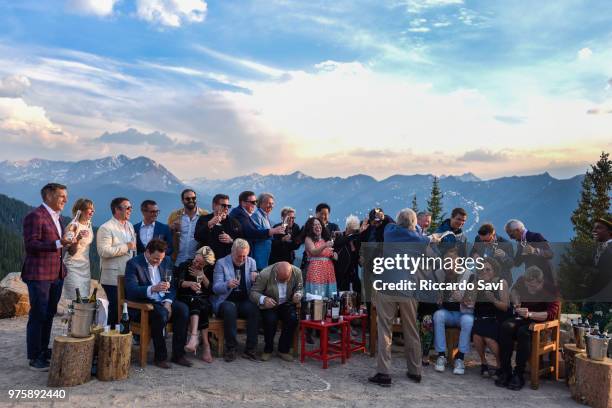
<point>194,279</point>
<point>76,258</point>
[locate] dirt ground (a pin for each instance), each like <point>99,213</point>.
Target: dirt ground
<point>271,384</point>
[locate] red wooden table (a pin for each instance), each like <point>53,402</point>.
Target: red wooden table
<point>355,344</point>
<point>327,350</point>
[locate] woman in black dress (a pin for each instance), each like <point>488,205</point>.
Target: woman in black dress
<point>194,279</point>
<point>490,310</point>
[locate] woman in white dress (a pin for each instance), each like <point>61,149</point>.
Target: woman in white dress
<point>76,258</point>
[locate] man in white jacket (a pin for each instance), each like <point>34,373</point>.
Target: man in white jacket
<point>116,243</point>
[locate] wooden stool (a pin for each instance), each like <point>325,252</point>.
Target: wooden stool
<point>71,361</point>
<point>326,351</point>
<point>570,351</point>
<point>114,354</point>
<point>593,382</point>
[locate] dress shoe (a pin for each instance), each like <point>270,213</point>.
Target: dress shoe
<point>286,357</point>
<point>39,364</point>
<point>229,355</point>
<point>414,377</point>
<point>162,364</point>
<point>384,380</point>
<point>516,383</point>
<point>182,361</point>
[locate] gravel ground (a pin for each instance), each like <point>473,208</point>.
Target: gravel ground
<point>271,384</point>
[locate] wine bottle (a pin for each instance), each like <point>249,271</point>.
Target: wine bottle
<point>335,309</point>
<point>73,227</point>
<point>92,298</point>
<point>124,324</point>
<point>78,298</point>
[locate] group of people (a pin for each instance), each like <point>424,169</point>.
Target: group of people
<point>237,263</point>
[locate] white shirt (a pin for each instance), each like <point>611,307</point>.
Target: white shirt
<point>187,243</point>
<point>155,278</point>
<point>146,233</point>
<point>282,293</point>
<point>55,216</point>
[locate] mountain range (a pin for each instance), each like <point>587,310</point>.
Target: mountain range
<point>543,202</point>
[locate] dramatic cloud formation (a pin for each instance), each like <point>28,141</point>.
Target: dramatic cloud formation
<point>172,13</point>
<point>159,140</point>
<point>483,155</point>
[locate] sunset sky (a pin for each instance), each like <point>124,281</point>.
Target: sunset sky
<point>224,88</point>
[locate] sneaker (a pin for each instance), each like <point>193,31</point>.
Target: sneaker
<point>459,367</point>
<point>384,380</point>
<point>440,364</point>
<point>286,357</point>
<point>39,364</point>
<point>516,383</point>
<point>229,355</point>
<point>484,371</point>
<point>266,356</point>
<point>249,355</point>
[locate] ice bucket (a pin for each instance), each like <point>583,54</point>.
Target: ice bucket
<point>319,309</point>
<point>597,347</point>
<point>83,315</point>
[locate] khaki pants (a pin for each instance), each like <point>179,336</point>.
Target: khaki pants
<point>386,309</point>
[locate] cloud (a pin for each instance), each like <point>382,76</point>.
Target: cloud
<point>509,119</point>
<point>252,65</point>
<point>21,123</point>
<point>482,155</point>
<point>172,13</point>
<point>98,8</point>
<point>609,84</point>
<point>417,6</point>
<point>14,86</point>
<point>584,54</point>
<point>159,140</point>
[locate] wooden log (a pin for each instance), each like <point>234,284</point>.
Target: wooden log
<point>593,382</point>
<point>114,354</point>
<point>71,361</point>
<point>569,357</point>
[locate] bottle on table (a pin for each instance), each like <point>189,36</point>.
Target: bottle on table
<point>124,324</point>
<point>335,309</point>
<point>92,298</point>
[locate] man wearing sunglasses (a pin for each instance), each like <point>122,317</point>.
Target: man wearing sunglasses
<point>182,223</point>
<point>217,230</point>
<point>116,244</point>
<point>243,214</point>
<point>149,228</point>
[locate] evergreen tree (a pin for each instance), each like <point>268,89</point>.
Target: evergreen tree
<point>434,205</point>
<point>415,206</point>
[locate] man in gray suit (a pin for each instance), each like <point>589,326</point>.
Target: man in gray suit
<point>232,281</point>
<point>277,291</point>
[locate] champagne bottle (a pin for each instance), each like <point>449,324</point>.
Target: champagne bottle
<point>92,298</point>
<point>78,298</point>
<point>73,227</point>
<point>124,324</point>
<point>335,310</point>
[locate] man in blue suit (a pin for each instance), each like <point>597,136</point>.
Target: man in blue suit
<point>150,228</point>
<point>146,280</point>
<point>232,281</point>
<point>532,250</point>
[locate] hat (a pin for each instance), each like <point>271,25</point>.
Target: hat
<point>606,221</point>
<point>376,214</point>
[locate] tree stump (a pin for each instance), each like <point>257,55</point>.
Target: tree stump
<point>114,354</point>
<point>570,351</point>
<point>71,361</point>
<point>593,382</point>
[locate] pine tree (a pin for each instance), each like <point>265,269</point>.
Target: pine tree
<point>415,206</point>
<point>434,205</point>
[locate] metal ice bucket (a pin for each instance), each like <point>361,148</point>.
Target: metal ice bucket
<point>318,309</point>
<point>83,317</point>
<point>597,347</point>
<point>579,333</point>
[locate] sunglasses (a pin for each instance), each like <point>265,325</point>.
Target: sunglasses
<point>228,206</point>
<point>126,208</point>
<point>152,211</point>
<point>189,199</point>
<point>254,202</point>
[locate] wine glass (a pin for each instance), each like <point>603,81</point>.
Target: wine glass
<point>167,277</point>
<point>199,281</point>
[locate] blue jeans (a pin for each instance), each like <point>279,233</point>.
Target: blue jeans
<point>44,296</point>
<point>443,319</point>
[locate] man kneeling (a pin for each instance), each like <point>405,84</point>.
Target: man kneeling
<point>277,291</point>
<point>147,279</point>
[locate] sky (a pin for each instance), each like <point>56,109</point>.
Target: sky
<point>219,89</point>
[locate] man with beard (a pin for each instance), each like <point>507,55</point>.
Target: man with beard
<point>217,230</point>
<point>183,222</point>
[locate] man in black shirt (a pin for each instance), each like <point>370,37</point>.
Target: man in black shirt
<point>217,230</point>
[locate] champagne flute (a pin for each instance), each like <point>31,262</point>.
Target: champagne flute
<point>167,277</point>
<point>199,281</point>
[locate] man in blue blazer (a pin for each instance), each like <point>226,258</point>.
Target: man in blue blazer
<point>150,228</point>
<point>146,278</point>
<point>232,281</point>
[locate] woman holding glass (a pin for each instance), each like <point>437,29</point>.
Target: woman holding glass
<point>194,278</point>
<point>76,258</point>
<point>320,276</point>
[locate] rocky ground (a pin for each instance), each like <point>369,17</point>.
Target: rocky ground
<point>273,383</point>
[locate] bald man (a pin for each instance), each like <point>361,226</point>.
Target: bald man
<point>277,291</point>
